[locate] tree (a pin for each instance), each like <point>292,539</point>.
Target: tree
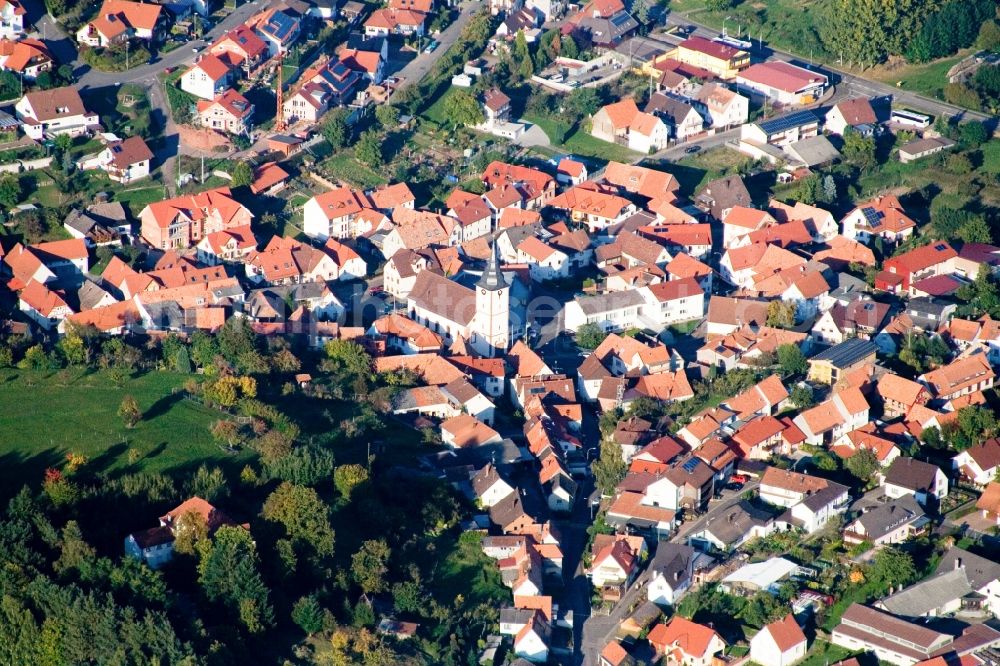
<point>129,411</point>
<point>369,149</point>
<point>190,530</point>
<point>829,189</point>
<point>973,133</point>
<point>583,102</point>
<point>208,483</point>
<point>368,566</point>
<point>989,36</point>
<point>975,424</point>
<point>303,514</point>
<point>640,10</point>
<point>863,465</point>
<point>792,360</point>
<point>229,574</point>
<point>859,149</point>
<point>781,314</point>
<point>387,116</point>
<point>336,129</point>
<point>802,396</point>
<point>347,479</point>
<point>75,554</point>
<point>242,174</point>
<point>10,190</point>
<point>610,468</point>
<point>590,336</point>
<point>569,49</point>
<point>892,567</point>
<point>349,361</point>
<point>825,461</point>
<point>522,56</point>
<point>308,614</point>
<point>461,109</point>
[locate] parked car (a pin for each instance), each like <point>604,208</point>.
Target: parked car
<point>690,150</point>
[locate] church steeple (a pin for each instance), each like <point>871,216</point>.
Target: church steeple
<point>492,278</point>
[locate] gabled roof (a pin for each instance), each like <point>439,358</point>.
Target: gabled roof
<point>690,638</point>
<point>786,633</point>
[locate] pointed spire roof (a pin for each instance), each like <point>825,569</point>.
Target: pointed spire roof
<point>492,278</point>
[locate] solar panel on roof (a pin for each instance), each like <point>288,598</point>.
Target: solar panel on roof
<point>620,19</point>
<point>872,216</point>
<point>788,121</point>
<point>689,465</point>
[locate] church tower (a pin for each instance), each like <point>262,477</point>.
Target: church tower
<point>491,326</point>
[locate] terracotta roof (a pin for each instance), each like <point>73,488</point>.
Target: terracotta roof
<point>212,66</point>
<point>468,431</point>
<point>845,250</point>
<point>391,18</point>
<point>266,176</point>
<point>990,499</point>
<point>24,53</point>
<point>921,258</point>
<point>689,637</point>
<point>763,396</point>
<point>129,151</point>
<point>213,517</point>
<point>792,481</point>
<point>748,218</point>
<point>391,196</point>
<point>644,181</point>
<point>114,14</point>
<point>431,368</point>
<point>899,389</point>
<point>629,505</point>
<point>786,633</point>
<point>958,375</point>
<point>665,386</point>
<point>41,298</point>
<point>231,101</point>
<point>987,454</point>
<point>857,111</point>
<point>621,113</point>
<point>570,167</point>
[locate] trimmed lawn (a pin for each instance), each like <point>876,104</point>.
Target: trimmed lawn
<point>140,197</point>
<point>822,653</point>
<point>47,414</point>
<point>466,571</point>
<point>435,112</point>
<point>581,143</point>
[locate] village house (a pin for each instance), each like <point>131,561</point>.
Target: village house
<point>681,118</point>
<point>900,272</point>
<point>125,160</point>
<point>721,107</point>
<point>12,13</point>
<point>827,422</point>
<point>623,123</point>
<point>962,376</point>
<point>278,28</point>
<point>811,501</point>
<point>228,246</point>
<point>832,364</point>
<point>155,546</point>
<point>686,643</point>
<point>671,572</point>
<point>909,476</point>
<point>616,559</point>
<point>321,88</point>
<point>979,464</point>
<point>45,114</point>
<point>781,131</point>
<point>892,639</point>
<point>183,221</point>
<point>208,77</point>
<point>894,522</point>
<point>27,57</point>
<point>899,394</point>
<point>119,20</point>
<point>384,22</point>
<point>229,112</point>
<point>855,113</point>
<point>334,214</point>
<point>883,217</point>
<point>780,643</point>
<point>242,47</point>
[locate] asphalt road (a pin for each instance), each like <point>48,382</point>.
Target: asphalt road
<point>417,68</point>
<point>64,49</point>
<point>850,85</point>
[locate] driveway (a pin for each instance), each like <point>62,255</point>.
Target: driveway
<point>533,136</point>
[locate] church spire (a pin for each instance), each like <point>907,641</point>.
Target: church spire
<point>492,278</point>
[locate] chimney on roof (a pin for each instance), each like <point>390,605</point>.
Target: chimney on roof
<point>958,563</point>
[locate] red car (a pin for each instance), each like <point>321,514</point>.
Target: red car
<point>376,290</point>
<point>739,478</point>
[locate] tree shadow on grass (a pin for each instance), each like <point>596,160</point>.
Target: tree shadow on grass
<point>162,406</point>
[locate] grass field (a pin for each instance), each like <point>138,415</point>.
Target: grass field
<point>46,414</point>
<point>927,79</point>
<point>822,653</point>
<point>581,143</point>
<point>137,198</point>
<point>435,112</point>
<point>693,171</point>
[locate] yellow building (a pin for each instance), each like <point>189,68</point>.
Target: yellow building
<point>722,60</point>
<point>830,365</point>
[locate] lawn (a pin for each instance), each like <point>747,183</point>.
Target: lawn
<point>435,112</point>
<point>581,143</point>
<point>466,571</point>
<point>822,653</point>
<point>693,171</point>
<point>46,414</point>
<point>927,79</point>
<point>139,197</point>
